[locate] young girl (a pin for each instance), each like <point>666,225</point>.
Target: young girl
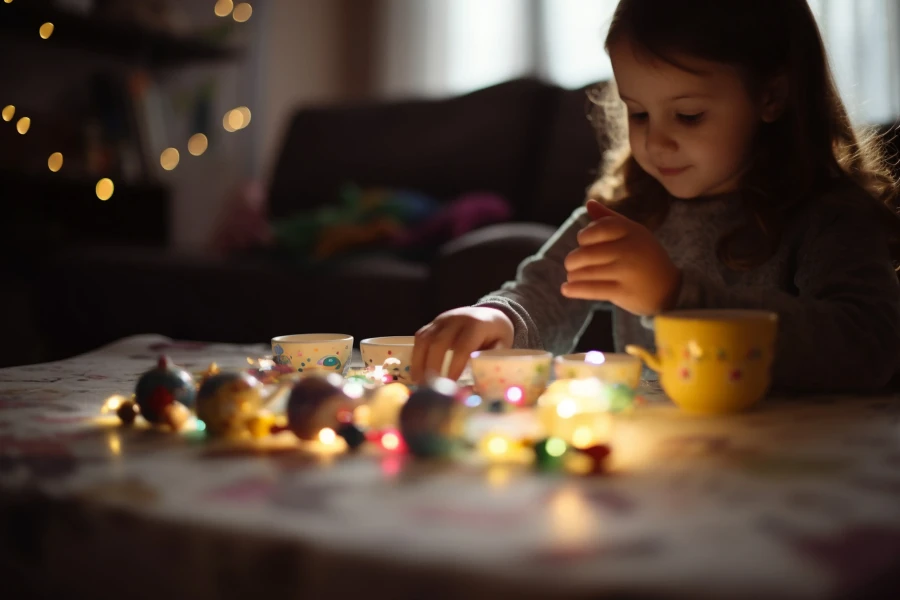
<point>742,185</point>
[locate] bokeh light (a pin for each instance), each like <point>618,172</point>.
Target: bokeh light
<point>46,30</point>
<point>105,189</point>
<point>223,8</point>
<point>55,162</point>
<point>583,437</point>
<point>169,158</point>
<point>23,125</point>
<point>9,112</point>
<point>514,394</point>
<point>245,114</point>
<point>555,447</point>
<point>327,436</point>
<point>498,445</point>
<point>234,120</point>
<point>567,408</point>
<point>242,12</point>
<point>228,119</point>
<point>115,444</point>
<point>390,441</point>
<point>198,144</point>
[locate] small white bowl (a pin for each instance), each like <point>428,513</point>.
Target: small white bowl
<point>311,352</point>
<point>519,376</point>
<point>609,367</point>
<point>393,353</point>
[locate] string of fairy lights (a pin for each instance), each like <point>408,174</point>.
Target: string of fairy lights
<point>234,120</point>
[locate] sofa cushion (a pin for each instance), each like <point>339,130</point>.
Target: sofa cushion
<point>481,261</point>
<point>487,140</point>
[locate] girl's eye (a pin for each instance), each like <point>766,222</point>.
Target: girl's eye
<point>638,117</point>
<point>691,119</point>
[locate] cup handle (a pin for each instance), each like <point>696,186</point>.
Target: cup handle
<point>650,359</point>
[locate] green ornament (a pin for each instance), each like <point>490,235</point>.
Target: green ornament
<point>431,423</point>
<point>549,454</point>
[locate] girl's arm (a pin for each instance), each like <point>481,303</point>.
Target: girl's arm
<point>542,316</point>
<point>841,332</point>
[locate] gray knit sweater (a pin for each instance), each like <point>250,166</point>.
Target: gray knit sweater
<point>831,282</point>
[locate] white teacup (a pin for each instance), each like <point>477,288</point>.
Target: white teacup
<point>379,352</point>
<point>312,352</point>
<point>608,367</point>
<point>519,375</point>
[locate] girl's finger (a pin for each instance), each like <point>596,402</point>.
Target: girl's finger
<point>600,291</point>
<point>467,342</point>
<point>441,341</point>
<point>595,255</point>
<point>420,352</point>
<point>598,210</point>
<point>608,273</point>
<point>607,229</point>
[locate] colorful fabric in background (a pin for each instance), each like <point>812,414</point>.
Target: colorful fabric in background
<point>403,222</point>
<point>399,222</point>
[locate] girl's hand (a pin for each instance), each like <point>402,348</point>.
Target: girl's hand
<point>620,261</point>
<point>462,330</point>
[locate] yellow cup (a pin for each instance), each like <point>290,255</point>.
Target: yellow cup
<point>713,361</point>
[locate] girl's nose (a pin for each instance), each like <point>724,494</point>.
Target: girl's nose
<point>659,139</point>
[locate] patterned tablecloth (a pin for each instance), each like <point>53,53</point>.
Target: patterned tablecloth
<point>799,498</point>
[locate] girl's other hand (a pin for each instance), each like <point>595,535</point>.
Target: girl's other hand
<point>620,261</point>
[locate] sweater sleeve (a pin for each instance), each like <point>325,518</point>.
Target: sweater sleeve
<point>542,316</point>
<point>840,332</point>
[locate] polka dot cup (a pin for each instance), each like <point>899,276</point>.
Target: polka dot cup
<point>314,352</point>
<point>518,376</point>
<point>393,353</point>
<point>713,361</point>
<point>608,367</point>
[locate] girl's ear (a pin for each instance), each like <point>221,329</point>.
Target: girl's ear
<point>774,98</point>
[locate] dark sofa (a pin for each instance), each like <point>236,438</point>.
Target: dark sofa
<point>526,140</point>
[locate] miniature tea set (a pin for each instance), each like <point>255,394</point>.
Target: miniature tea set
<point>710,362</point>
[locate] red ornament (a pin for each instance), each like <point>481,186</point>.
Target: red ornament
<point>598,454</point>
<point>160,398</point>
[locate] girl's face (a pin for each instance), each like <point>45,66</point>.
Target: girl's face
<point>692,131</point>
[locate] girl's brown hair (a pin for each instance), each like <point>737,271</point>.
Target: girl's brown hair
<point>811,147</point>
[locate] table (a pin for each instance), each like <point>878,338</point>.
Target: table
<point>799,498</point>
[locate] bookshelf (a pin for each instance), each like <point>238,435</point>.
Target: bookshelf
<point>47,211</point>
<point>124,41</point>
